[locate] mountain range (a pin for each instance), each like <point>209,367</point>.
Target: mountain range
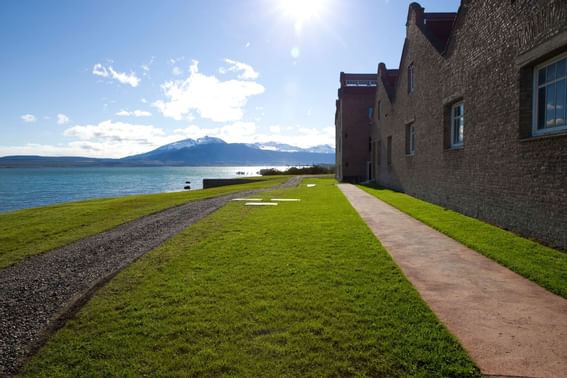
<point>207,151</point>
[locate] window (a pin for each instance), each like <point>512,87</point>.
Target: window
<point>378,109</point>
<point>411,78</point>
<point>370,112</point>
<point>410,139</point>
<point>457,125</point>
<point>550,99</point>
<point>378,152</point>
<point>369,144</point>
<point>389,151</point>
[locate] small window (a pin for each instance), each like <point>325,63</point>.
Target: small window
<point>389,151</point>
<point>410,139</point>
<point>550,96</point>
<point>378,109</point>
<point>369,144</point>
<point>411,78</point>
<point>457,125</point>
<point>370,112</point>
<point>378,152</point>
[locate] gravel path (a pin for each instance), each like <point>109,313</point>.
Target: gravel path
<point>40,293</point>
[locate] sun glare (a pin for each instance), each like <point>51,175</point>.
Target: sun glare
<point>301,11</point>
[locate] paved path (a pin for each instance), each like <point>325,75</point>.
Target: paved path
<point>510,326</point>
<point>38,294</point>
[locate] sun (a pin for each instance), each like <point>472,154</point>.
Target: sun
<point>302,11</point>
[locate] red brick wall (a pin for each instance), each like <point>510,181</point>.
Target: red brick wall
<point>353,131</point>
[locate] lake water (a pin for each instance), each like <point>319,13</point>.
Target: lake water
<point>22,188</point>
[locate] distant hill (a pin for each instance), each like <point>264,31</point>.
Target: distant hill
<point>207,151</point>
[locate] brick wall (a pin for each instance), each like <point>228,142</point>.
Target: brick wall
<point>353,126</point>
<point>503,174</point>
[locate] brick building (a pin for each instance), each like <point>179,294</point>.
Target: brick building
<point>353,120</point>
<point>474,118</point>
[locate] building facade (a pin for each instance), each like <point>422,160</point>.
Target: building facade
<point>353,121</point>
<point>474,118</point>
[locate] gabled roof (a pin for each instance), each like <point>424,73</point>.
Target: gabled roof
<point>435,26</point>
<point>438,28</point>
<point>389,79</point>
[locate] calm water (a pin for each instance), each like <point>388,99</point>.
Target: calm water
<point>32,187</point>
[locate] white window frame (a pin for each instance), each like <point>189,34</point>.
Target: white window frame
<point>461,119</point>
<point>535,102</point>
<point>410,129</point>
<point>411,78</point>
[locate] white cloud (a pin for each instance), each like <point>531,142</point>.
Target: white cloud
<point>62,119</point>
<point>275,129</point>
<point>116,139</point>
<point>195,132</point>
<point>122,77</point>
<point>100,70</point>
<point>176,71</point>
<point>247,45</point>
<point>106,139</point>
<point>238,132</point>
<point>115,131</point>
<point>29,118</point>
<point>134,113</point>
<point>246,71</point>
<point>219,101</point>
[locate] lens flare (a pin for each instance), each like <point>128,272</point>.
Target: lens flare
<point>301,11</point>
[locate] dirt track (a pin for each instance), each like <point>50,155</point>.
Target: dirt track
<point>38,294</point>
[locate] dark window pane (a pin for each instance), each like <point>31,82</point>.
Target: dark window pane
<point>560,66</point>
<point>457,110</point>
<point>541,108</point>
<point>541,76</point>
<point>560,103</point>
<point>551,72</point>
<point>550,106</point>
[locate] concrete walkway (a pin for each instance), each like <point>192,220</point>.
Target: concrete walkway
<point>510,326</point>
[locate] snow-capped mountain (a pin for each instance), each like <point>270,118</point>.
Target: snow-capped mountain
<point>215,151</point>
<point>273,146</point>
<point>207,151</point>
<point>321,149</point>
<point>188,143</point>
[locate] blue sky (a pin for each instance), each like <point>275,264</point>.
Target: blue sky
<point>112,78</point>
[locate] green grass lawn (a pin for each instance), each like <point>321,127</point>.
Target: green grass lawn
<point>28,232</point>
<point>540,264</point>
<point>301,289</point>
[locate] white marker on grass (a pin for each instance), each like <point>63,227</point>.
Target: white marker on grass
<point>261,204</point>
